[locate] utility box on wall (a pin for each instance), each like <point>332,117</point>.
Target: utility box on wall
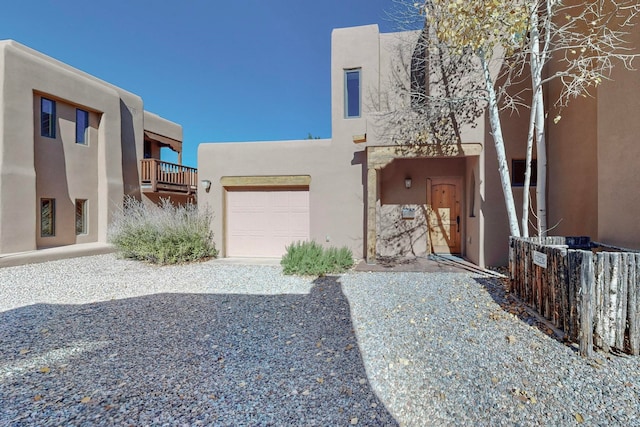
<point>408,213</point>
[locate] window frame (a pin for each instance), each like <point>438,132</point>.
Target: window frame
<point>347,93</point>
<point>82,134</point>
<point>519,166</point>
<point>47,119</point>
<point>82,218</point>
<point>49,231</point>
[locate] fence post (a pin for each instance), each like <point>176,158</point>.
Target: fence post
<point>154,175</point>
<point>586,308</point>
<point>634,306</point>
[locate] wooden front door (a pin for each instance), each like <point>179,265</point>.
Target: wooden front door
<point>443,209</point>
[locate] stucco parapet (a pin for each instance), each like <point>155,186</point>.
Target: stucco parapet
<point>160,126</point>
<point>84,78</point>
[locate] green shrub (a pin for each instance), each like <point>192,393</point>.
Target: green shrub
<point>310,258</point>
<point>164,234</point>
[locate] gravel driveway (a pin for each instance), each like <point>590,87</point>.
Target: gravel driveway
<point>98,340</point>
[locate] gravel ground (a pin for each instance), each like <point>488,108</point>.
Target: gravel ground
<point>103,341</point>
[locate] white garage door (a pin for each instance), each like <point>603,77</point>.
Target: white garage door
<point>262,223</point>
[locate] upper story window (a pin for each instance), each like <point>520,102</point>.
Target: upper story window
<point>518,167</point>
<point>47,118</point>
<point>352,96</point>
<point>82,125</point>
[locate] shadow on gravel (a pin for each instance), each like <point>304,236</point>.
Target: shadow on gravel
<point>497,288</point>
<point>221,359</point>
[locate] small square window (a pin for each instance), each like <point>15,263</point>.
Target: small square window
<point>518,167</point>
<point>81,216</point>
<point>352,93</point>
<point>47,118</point>
<point>82,125</point>
<point>47,217</point>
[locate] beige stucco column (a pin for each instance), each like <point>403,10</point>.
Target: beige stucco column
<point>372,199</point>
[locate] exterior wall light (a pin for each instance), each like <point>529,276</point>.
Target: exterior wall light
<point>407,182</point>
<point>206,184</point>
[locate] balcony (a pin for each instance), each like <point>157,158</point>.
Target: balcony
<point>158,176</point>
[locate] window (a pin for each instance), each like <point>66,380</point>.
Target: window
<point>47,118</point>
<point>517,172</point>
<point>47,217</point>
<point>82,125</point>
<point>352,93</point>
<point>472,196</point>
<point>81,216</point>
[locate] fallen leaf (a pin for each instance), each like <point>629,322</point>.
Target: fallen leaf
<point>511,339</point>
<point>320,380</point>
<point>579,418</point>
<point>85,399</point>
<point>348,347</point>
<point>494,380</point>
<point>354,421</point>
<point>37,398</point>
<point>24,351</point>
<point>45,370</point>
<point>305,393</point>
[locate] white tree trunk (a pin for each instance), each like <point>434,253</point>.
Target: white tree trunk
<point>541,188</point>
<point>496,128</point>
<point>524,222</point>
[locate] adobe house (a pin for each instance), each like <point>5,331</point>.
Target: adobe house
<point>356,189</point>
<point>361,190</point>
<point>71,147</point>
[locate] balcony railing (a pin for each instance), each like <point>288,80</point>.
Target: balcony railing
<point>158,176</point>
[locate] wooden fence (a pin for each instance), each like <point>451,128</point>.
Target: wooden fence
<point>589,290</point>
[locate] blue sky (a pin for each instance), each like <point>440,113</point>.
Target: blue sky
<point>225,70</point>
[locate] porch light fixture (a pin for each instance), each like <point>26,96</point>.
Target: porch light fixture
<point>206,184</point>
<point>407,182</point>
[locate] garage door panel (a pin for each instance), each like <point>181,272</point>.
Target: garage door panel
<point>262,223</point>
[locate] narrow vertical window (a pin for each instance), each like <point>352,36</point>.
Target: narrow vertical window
<point>472,198</point>
<point>81,216</point>
<point>47,217</point>
<point>47,118</point>
<point>352,93</point>
<point>82,125</point>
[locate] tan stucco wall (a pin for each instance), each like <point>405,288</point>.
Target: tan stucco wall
<point>66,171</point>
<point>618,157</point>
<point>25,72</point>
<point>338,167</point>
<point>161,126</point>
<point>335,191</point>
<point>32,167</point>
